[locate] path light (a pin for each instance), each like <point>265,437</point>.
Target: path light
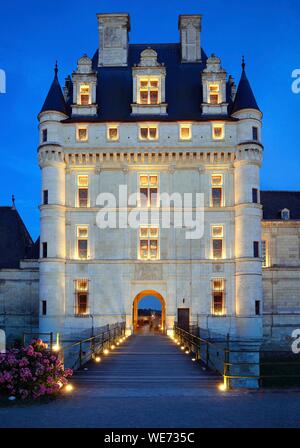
<point>178,343</point>
<point>194,359</point>
<point>118,343</point>
<point>69,388</point>
<point>106,351</point>
<point>187,352</point>
<point>182,347</point>
<point>113,347</point>
<point>97,359</point>
<point>222,387</point>
<point>56,347</point>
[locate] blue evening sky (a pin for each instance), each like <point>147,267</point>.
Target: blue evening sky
<point>34,34</point>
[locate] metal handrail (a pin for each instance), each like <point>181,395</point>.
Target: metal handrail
<point>191,340</point>
<point>97,344</point>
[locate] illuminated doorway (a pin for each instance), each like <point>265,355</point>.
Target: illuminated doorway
<point>156,320</point>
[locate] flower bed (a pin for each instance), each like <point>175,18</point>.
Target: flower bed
<point>32,372</point>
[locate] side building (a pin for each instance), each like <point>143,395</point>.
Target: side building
<point>19,277</point>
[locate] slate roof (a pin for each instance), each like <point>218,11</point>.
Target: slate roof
<point>275,201</point>
<point>183,89</point>
<point>55,100</point>
<point>244,98</point>
<point>15,241</point>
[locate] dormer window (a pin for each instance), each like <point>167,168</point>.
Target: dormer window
<point>214,94</point>
<point>149,78</point>
<point>84,95</point>
<point>285,214</point>
<point>84,82</point>
<point>214,82</point>
<point>149,91</point>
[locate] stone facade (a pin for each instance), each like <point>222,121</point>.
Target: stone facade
<point>19,301</point>
<point>220,145</point>
<point>281,279</point>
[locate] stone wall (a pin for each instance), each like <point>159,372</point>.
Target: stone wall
<point>281,280</point>
<point>19,302</point>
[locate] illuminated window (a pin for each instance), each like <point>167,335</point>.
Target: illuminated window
<point>84,95</point>
<point>82,134</point>
<point>214,94</point>
<point>148,132</point>
<point>217,190</point>
<point>218,296</point>
<point>185,132</point>
<point>148,190</point>
<point>218,132</point>
<point>148,90</point>
<point>217,235</point>
<point>82,242</point>
<point>81,293</point>
<point>264,254</point>
<point>113,133</point>
<point>149,248</point>
<point>83,190</point>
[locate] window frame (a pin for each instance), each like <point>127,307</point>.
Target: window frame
<point>188,126</point>
<point>81,292</point>
<point>80,94</point>
<point>256,250</point>
<point>220,238</point>
<point>81,128</point>
<point>217,187</point>
<point>216,126</point>
<point>45,197</point>
<point>216,93</point>
<point>149,187</point>
<point>82,238</point>
<point>148,127</point>
<point>148,89</point>
<point>82,187</point>
<point>112,127</point>
<point>255,131</point>
<point>149,239</point>
<point>44,135</point>
<point>221,291</point>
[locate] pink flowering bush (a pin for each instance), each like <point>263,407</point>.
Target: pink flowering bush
<point>32,372</point>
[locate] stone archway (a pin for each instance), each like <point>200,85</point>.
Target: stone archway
<point>145,293</point>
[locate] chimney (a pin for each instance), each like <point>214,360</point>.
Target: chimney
<point>190,28</point>
<point>113,39</point>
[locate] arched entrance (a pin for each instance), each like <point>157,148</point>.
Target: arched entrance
<point>138,297</point>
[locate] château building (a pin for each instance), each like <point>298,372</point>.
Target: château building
<point>161,118</point>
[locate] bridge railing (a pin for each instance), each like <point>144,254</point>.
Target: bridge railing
<point>210,353</point>
<point>79,352</point>
<point>240,361</point>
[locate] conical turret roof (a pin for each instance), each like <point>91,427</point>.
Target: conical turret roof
<point>244,98</point>
<point>55,99</point>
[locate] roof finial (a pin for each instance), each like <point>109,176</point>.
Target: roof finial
<point>56,68</point>
<point>243,63</point>
<point>13,199</point>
